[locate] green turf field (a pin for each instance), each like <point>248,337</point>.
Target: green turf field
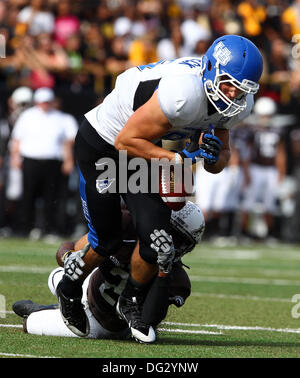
<point>241,306</point>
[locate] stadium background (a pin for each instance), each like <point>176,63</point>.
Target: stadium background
<point>80,47</point>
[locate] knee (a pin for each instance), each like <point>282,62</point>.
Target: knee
<point>105,246</point>
<point>148,254</point>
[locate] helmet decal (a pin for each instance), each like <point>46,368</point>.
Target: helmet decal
<point>221,53</point>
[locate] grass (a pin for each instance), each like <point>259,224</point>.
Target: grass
<point>240,306</point>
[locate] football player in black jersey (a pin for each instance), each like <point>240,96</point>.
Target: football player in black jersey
<point>102,287</point>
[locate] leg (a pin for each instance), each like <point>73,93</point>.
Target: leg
<point>51,180</point>
<point>30,184</point>
<point>103,214</point>
<point>149,213</point>
<point>141,271</point>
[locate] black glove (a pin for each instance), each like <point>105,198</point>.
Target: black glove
<point>211,147</point>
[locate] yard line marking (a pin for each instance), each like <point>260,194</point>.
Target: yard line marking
<point>24,355</point>
<point>231,296</point>
<point>25,269</point>
<point>248,280</point>
<point>202,332</point>
<point>191,331</point>
<point>6,312</point>
<point>217,326</point>
<point>238,328</point>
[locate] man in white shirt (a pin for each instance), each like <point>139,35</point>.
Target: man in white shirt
<point>175,99</point>
<point>37,18</point>
<point>42,144</point>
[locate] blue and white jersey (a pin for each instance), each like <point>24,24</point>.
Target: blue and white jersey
<point>180,93</point>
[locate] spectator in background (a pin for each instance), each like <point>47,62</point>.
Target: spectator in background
<point>224,18</point>
<point>193,32</point>
<point>290,18</point>
<point>253,15</point>
<point>42,142</point>
<point>143,50</point>
<point>172,47</point>
<point>66,23</point>
<point>292,199</point>
<point>117,59</point>
<point>11,178</point>
<point>35,19</point>
<point>278,68</point>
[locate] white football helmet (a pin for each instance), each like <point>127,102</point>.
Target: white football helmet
<point>188,225</point>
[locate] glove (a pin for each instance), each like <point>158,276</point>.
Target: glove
<point>73,263</point>
<point>210,148</point>
<point>177,300</point>
<point>163,245</point>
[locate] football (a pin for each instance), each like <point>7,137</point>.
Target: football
<point>175,184</point>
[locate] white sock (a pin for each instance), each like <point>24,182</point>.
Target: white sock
<point>54,278</point>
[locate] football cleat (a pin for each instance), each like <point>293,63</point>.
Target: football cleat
<point>130,310</point>
<point>25,307</point>
<point>73,313</point>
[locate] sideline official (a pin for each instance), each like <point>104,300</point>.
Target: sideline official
<point>42,144</point>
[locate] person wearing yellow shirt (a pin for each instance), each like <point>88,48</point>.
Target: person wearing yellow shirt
<point>291,17</point>
<point>143,50</point>
<point>253,15</point>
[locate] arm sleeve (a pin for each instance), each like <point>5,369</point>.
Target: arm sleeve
<point>71,127</point>
<point>18,127</point>
<point>179,98</point>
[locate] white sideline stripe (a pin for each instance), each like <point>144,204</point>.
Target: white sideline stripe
<point>203,332</point>
<point>6,312</point>
<point>245,297</point>
<point>160,329</point>
<point>250,281</point>
<point>25,269</point>
<point>238,328</point>
<point>217,326</point>
<point>11,326</point>
<point>24,355</point>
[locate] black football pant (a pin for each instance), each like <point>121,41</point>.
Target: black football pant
<point>102,209</point>
<point>41,179</point>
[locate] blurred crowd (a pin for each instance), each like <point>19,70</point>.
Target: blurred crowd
<point>77,48</point>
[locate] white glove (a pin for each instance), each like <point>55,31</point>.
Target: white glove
<point>74,263</point>
<point>163,245</point>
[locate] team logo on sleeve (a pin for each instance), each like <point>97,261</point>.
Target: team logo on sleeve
<point>103,185</point>
<point>222,53</point>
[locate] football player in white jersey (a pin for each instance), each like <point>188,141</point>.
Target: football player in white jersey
<point>163,100</point>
